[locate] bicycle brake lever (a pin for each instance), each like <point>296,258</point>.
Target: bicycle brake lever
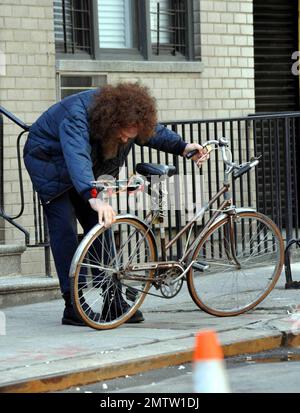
<point>207,148</point>
<point>189,155</point>
<point>256,158</point>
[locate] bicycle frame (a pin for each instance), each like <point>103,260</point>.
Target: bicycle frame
<point>226,206</point>
<point>225,190</point>
<point>164,264</point>
<point>157,217</point>
<point>198,216</point>
<point>151,218</point>
<point>127,263</point>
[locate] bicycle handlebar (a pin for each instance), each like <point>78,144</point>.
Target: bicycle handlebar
<point>245,168</point>
<point>223,144</point>
<point>136,182</point>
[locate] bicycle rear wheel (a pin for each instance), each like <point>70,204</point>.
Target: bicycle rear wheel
<point>104,293</point>
<point>243,255</point>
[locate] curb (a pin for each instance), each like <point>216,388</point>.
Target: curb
<point>80,377</point>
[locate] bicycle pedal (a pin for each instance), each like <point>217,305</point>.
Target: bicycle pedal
<point>200,266</point>
<point>131,294</point>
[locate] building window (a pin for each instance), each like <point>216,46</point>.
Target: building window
<point>73,26</point>
<point>115,23</point>
<point>122,29</point>
<point>168,26</point>
<point>71,84</point>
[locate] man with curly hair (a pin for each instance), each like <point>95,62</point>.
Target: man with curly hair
<point>75,141</point>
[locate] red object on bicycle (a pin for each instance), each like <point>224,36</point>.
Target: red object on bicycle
<point>94,192</point>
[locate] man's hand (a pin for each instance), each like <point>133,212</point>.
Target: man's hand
<point>200,157</point>
<point>105,211</point>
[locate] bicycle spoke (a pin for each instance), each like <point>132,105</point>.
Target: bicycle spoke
<point>102,295</point>
<point>236,278</point>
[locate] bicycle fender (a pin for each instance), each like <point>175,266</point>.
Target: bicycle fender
<point>95,229</point>
<point>216,221</point>
<point>226,213</point>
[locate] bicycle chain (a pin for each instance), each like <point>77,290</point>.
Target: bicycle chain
<point>142,291</point>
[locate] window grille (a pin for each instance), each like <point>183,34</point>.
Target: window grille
<point>148,29</point>
<point>73,26</point>
<point>168,26</point>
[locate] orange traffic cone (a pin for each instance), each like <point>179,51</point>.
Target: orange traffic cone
<point>209,375</point>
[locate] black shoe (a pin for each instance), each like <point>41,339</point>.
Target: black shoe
<point>114,309</point>
<point>137,317</point>
<point>70,317</point>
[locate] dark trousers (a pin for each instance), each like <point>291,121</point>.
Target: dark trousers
<point>61,215</point>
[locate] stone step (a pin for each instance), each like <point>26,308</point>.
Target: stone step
<point>21,290</point>
<point>10,259</point>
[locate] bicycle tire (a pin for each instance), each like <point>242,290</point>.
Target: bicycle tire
<point>207,291</point>
<point>80,282</point>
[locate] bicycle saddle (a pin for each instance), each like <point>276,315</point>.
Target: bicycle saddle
<point>147,169</point>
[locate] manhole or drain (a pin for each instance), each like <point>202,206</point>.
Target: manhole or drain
<point>273,356</point>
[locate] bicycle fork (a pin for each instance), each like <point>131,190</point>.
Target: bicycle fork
<point>230,241</point>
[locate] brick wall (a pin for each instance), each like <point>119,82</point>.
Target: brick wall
<point>28,88</point>
<point>227,83</point>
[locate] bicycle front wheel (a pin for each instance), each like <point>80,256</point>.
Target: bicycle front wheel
<point>241,258</point>
<point>105,292</point>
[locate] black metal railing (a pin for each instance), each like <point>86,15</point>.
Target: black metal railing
<point>41,237</point>
<point>272,189</point>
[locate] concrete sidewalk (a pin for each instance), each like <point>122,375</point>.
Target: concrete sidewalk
<point>39,354</point>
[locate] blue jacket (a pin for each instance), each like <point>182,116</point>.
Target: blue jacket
<point>57,153</point>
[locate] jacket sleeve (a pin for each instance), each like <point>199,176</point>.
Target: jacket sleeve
<point>167,141</point>
<point>75,142</point>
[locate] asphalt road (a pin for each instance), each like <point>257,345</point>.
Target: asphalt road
<point>270,372</point>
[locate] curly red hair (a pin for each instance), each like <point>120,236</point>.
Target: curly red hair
<point>121,106</point>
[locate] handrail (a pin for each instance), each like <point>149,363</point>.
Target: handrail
<point>11,220</point>
<point>25,128</point>
<point>13,118</point>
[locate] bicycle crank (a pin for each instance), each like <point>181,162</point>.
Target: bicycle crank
<point>170,285</point>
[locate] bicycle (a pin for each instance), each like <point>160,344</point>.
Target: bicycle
<point>230,266</point>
